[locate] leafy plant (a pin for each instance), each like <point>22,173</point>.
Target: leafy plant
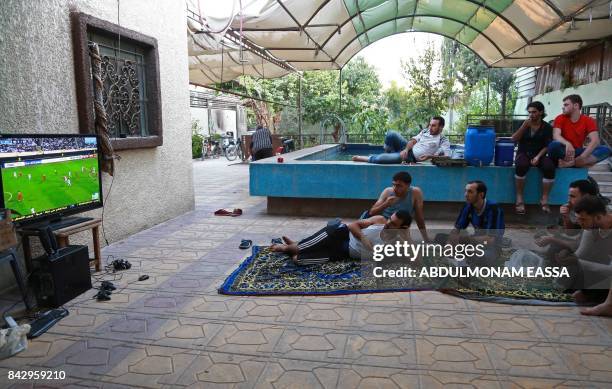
<point>197,140</point>
<point>566,80</point>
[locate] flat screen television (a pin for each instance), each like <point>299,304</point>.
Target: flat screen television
<point>46,177</point>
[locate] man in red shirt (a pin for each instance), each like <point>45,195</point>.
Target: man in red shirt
<point>570,130</point>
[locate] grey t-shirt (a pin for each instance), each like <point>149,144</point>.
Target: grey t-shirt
<point>595,246</point>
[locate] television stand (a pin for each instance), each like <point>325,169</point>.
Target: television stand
<point>68,222</point>
<point>62,233</point>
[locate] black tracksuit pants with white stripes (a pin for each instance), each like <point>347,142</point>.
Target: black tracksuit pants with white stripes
<point>324,245</point>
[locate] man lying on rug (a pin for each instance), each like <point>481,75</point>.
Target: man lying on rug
<point>339,241</point>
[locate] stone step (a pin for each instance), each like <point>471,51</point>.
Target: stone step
<point>605,186</point>
<point>601,176</point>
<point>603,166</point>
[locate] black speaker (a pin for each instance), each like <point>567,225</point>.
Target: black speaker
<point>61,277</point>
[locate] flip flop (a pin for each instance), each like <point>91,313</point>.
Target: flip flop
<point>236,212</point>
<point>545,207</point>
<point>223,212</point>
<point>519,208</point>
<point>245,244</point>
<point>277,241</point>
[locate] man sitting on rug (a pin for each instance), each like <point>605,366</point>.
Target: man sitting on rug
<point>341,241</point>
<point>400,196</point>
<point>428,143</point>
<point>569,237</point>
<point>591,264</point>
<point>571,129</point>
<point>577,189</point>
<point>485,216</point>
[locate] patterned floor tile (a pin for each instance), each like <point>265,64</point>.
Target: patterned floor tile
<point>174,329</point>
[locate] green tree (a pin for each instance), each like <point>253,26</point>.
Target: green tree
<point>464,68</point>
<point>461,64</point>
<point>429,92</point>
<point>320,93</point>
<point>502,81</point>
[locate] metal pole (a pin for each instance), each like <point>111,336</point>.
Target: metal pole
<point>340,87</point>
<point>299,104</point>
<point>237,122</point>
<point>488,80</point>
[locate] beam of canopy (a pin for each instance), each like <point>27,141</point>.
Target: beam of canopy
<point>294,35</point>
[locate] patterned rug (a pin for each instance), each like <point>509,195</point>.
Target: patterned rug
<point>524,291</point>
<point>268,273</point>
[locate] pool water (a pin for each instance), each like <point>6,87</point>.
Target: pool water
<point>342,156</point>
<point>335,154</point>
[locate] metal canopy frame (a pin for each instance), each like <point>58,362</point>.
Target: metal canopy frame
<point>337,61</point>
<point>236,39</point>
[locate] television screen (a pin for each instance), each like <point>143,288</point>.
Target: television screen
<point>49,176</point>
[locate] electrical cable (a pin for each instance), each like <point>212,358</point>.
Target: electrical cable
<point>104,206</point>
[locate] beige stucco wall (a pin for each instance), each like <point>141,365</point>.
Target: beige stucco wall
<point>37,95</point>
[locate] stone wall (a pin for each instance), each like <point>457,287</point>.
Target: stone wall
<point>38,95</point>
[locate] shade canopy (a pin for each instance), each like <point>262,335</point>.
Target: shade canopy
<point>280,36</point>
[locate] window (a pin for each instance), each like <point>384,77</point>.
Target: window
<point>130,76</point>
<point>124,79</point>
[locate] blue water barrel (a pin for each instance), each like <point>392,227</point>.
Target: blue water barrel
<point>504,152</point>
<point>479,145</point>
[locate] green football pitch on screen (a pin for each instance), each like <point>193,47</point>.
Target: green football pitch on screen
<point>38,188</point>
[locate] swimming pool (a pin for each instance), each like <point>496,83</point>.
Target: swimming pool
<point>325,172</point>
<point>341,154</point>
<point>345,154</point>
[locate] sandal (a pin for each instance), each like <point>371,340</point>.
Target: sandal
<point>545,207</point>
<point>519,208</point>
<point>223,212</point>
<point>245,244</point>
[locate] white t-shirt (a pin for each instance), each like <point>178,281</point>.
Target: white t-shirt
<point>356,248</point>
<point>428,144</point>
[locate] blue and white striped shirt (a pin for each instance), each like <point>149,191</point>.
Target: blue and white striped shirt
<point>490,221</point>
<point>262,139</point>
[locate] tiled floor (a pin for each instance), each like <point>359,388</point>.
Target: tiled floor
<point>174,330</point>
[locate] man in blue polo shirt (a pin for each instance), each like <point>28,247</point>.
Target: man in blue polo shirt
<point>485,216</point>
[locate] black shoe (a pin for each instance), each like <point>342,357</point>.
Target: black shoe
<point>107,286</point>
<point>121,264</point>
<point>103,295</point>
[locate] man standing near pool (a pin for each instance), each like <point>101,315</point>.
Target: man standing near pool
<point>428,143</point>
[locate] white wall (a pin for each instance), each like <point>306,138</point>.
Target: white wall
<point>222,121</point>
<point>38,95</point>
<point>201,115</point>
<point>595,93</point>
